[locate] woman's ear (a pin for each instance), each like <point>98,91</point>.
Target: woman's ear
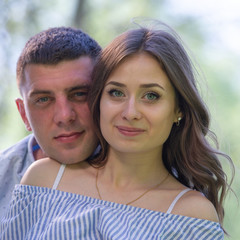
<point>179,117</point>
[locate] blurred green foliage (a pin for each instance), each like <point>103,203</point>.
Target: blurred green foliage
<point>218,65</point>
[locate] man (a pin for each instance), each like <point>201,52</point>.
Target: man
<point>53,76</point>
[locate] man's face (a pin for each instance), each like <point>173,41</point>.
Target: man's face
<point>55,108</point>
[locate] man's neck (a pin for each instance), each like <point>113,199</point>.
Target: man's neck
<point>38,154</point>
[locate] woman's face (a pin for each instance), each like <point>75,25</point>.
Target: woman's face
<point>138,106</point>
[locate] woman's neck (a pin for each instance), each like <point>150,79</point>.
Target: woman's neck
<point>123,169</point>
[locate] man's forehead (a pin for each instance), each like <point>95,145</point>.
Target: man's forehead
<point>45,79</point>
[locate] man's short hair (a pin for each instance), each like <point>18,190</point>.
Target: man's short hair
<point>55,45</point>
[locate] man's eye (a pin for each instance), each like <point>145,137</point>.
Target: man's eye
<point>115,93</point>
<point>80,94</point>
<point>42,99</point>
<point>151,96</point>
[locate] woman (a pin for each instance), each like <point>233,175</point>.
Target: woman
<point>156,176</point>
<point>133,82</point>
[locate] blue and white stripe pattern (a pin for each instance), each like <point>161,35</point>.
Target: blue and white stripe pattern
<point>44,213</point>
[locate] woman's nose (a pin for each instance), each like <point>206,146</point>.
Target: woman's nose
<point>131,110</point>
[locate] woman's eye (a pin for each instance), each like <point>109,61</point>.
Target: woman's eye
<point>151,96</point>
<point>115,93</point>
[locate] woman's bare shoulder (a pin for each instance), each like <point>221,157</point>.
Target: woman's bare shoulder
<point>195,204</point>
<point>41,173</point>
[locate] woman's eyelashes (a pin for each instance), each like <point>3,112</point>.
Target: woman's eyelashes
<point>115,93</point>
<point>148,96</point>
<point>151,96</point>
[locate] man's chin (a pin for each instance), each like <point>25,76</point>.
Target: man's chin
<point>69,160</point>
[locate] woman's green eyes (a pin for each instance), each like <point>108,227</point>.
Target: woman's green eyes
<point>115,93</point>
<point>149,96</point>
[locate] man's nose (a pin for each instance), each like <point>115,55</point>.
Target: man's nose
<point>64,112</point>
<point>131,110</point>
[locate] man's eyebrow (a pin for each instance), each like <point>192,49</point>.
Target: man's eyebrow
<point>79,87</point>
<point>38,92</point>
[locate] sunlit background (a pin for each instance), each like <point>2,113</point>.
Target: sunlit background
<point>209,28</point>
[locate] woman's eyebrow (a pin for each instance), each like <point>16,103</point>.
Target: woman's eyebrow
<point>145,85</point>
<point>150,85</point>
<point>116,84</point>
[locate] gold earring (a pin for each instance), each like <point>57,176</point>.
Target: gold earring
<point>178,121</point>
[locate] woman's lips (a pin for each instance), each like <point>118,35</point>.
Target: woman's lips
<point>129,131</point>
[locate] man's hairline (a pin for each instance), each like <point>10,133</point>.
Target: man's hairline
<point>22,79</point>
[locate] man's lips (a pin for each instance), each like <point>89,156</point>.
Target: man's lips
<point>130,131</point>
<point>68,137</point>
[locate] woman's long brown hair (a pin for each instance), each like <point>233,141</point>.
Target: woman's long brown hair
<point>187,153</point>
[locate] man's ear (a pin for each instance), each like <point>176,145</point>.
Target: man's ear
<point>21,109</point>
